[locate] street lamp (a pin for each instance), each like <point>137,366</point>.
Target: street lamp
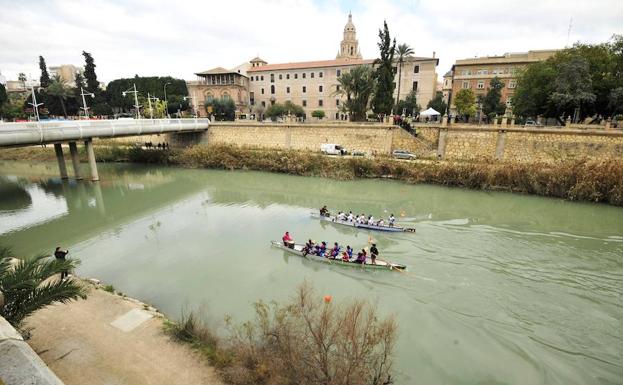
<point>149,99</point>
<point>34,103</point>
<point>136,105</point>
<point>84,102</point>
<point>166,101</point>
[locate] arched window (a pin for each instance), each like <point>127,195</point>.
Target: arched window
<point>225,96</point>
<point>209,97</point>
<point>272,90</point>
<point>351,51</point>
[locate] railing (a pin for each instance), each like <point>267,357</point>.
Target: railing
<point>29,133</point>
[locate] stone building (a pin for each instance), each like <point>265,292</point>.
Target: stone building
<point>66,72</point>
<point>312,85</point>
<point>476,73</point>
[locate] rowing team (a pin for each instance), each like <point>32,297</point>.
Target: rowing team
<point>335,252</point>
<point>360,219</point>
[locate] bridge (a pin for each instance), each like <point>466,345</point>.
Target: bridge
<point>72,131</point>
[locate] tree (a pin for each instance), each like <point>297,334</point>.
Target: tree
<point>59,88</point>
<point>437,103</point>
<point>154,85</point>
<point>491,104</point>
<point>318,114</point>
<point>29,285</point>
<point>383,99</point>
<point>357,86</point>
<point>222,109</point>
<point>409,106</point>
<point>44,80</point>
<point>275,111</point>
<point>616,100</point>
<point>22,78</point>
<point>573,86</point>
<point>403,51</point>
<point>465,102</point>
<point>534,86</point>
<point>89,73</point>
<point>293,109</point>
<point>3,96</point>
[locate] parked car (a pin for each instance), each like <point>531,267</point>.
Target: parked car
<point>332,149</point>
<point>532,123</point>
<point>403,154</point>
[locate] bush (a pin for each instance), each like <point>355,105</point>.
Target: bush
<point>318,114</point>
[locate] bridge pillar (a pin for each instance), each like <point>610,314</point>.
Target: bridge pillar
<point>91,155</point>
<point>73,149</point>
<point>58,149</point>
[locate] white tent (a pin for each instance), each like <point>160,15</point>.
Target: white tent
<point>429,112</point>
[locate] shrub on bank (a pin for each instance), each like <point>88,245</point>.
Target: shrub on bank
<point>307,341</point>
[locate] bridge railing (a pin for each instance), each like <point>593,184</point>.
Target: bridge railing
<point>29,133</point>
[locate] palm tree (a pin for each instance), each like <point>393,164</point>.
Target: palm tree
<point>59,88</point>
<point>402,51</point>
<point>357,85</point>
<point>22,78</point>
<point>29,285</point>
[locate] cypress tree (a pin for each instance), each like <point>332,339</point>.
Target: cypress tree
<point>383,100</point>
<point>89,73</point>
<point>44,80</point>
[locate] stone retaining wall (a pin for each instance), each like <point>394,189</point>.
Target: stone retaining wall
<point>19,364</point>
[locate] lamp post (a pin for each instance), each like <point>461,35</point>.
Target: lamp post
<point>34,103</point>
<point>136,105</point>
<point>84,102</point>
<point>149,99</point>
<point>166,101</point>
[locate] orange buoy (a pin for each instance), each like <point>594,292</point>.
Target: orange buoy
<point>327,298</point>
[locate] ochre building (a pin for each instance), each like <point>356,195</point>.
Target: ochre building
<point>313,85</point>
<point>476,74</point>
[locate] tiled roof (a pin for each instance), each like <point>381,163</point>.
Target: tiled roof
<point>310,64</point>
<point>216,71</point>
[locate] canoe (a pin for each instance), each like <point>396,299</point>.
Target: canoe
<point>298,250</point>
<point>387,229</point>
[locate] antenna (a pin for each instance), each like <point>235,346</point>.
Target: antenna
<point>569,31</point>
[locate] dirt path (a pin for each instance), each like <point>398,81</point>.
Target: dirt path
<point>110,340</point>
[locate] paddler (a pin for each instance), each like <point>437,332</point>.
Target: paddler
<point>287,240</point>
<point>324,212</point>
<point>374,252</point>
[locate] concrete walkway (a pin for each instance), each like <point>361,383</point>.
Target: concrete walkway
<point>110,340</point>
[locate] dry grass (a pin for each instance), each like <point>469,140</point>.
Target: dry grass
<point>306,341</point>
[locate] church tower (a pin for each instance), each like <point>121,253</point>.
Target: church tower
<point>349,48</point>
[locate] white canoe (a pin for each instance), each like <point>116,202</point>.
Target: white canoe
<point>379,265</point>
<point>389,229</point>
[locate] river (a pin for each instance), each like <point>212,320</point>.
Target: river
<point>500,289</point>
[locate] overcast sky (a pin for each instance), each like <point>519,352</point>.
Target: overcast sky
<point>179,38</point>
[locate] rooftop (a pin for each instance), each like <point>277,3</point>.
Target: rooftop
<point>218,71</point>
<point>321,64</point>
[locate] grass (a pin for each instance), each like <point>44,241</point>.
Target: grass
<point>109,288</point>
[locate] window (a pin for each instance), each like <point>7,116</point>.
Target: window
<point>416,69</point>
<point>272,78</point>
<point>480,85</point>
<point>304,103</point>
<point>288,76</point>
<point>468,72</point>
<point>262,91</point>
<point>262,77</point>
<point>252,98</point>
<point>394,70</point>
<point>319,74</point>
<point>512,84</point>
<point>280,76</point>
<point>319,88</point>
<point>337,102</point>
<point>337,88</point>
<point>296,76</point>
<point>338,73</point>
<point>263,103</point>
<point>209,98</point>
<point>465,85</point>
<point>272,90</point>
<point>304,89</point>
<point>312,75</point>
<point>226,96</point>
<point>304,75</point>
<point>287,90</point>
<point>319,102</point>
<point>251,78</point>
<point>414,86</point>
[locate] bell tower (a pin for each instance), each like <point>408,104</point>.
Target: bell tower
<point>349,47</point>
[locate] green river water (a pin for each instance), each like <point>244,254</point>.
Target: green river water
<point>501,288</point>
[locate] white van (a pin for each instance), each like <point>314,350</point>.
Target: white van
<point>332,149</point>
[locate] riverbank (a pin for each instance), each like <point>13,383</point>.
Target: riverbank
<point>111,339</point>
<point>575,180</point>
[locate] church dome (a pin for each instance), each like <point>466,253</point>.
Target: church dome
<point>349,27</point>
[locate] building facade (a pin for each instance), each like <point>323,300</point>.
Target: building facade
<point>476,73</point>
<point>66,72</point>
<point>313,85</point>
